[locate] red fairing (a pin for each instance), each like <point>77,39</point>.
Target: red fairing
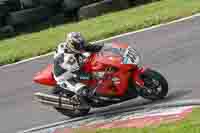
<point>45,77</point>
<point>116,88</point>
<point>107,68</point>
<point>99,63</point>
<point>136,76</point>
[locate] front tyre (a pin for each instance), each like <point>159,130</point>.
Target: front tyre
<point>156,86</point>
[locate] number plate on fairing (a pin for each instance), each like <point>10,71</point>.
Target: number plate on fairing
<point>129,56</point>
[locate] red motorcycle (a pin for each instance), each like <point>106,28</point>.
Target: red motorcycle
<point>115,74</point>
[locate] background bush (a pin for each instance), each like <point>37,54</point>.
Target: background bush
<point>28,12</point>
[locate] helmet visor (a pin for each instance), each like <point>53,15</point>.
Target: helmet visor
<point>78,45</point>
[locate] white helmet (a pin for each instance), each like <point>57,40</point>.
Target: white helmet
<point>75,41</point>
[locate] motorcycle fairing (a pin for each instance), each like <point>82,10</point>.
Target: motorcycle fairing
<point>98,62</point>
<point>104,61</point>
<point>136,76</point>
<point>45,77</point>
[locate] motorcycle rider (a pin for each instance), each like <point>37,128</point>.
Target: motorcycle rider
<point>68,59</point>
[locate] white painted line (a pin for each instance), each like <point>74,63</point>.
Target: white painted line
<point>163,112</point>
<point>170,104</point>
<point>110,38</point>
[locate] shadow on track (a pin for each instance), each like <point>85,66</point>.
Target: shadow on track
<point>140,102</point>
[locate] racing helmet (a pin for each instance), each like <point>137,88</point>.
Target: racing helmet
<point>75,41</point>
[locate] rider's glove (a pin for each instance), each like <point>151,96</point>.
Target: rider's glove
<point>93,47</point>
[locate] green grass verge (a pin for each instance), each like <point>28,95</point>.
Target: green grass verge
<point>29,45</point>
<point>190,125</point>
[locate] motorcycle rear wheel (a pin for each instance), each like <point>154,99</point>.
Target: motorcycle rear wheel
<point>149,77</point>
<point>75,113</point>
<point>71,113</point>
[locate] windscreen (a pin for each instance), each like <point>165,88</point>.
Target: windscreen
<point>112,50</point>
<point>126,54</point>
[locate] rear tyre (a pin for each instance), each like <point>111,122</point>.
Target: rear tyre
<point>75,113</point>
<point>156,86</point>
<point>78,111</point>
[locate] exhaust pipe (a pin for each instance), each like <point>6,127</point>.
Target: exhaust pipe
<point>53,100</point>
<point>56,104</point>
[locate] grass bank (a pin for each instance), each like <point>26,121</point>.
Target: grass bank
<point>29,45</point>
<point>189,125</point>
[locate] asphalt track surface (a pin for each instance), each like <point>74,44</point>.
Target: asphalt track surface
<point>174,50</point>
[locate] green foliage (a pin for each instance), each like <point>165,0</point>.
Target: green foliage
<point>25,46</point>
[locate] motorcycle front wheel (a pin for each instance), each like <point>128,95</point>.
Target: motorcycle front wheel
<point>155,85</point>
